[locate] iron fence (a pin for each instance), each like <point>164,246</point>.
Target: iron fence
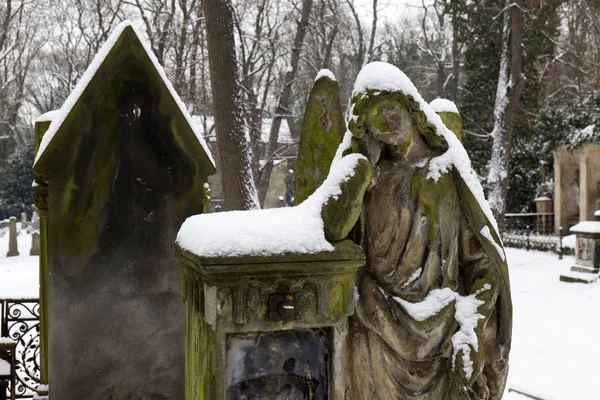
<point>20,321</point>
<point>539,223</point>
<point>533,231</point>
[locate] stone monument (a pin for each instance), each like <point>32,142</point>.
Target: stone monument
<point>268,294</point>
<point>118,170</point>
<point>13,246</point>
<point>433,312</point>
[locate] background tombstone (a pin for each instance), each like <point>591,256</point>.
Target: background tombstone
<point>24,220</point>
<point>123,168</point>
<point>35,244</point>
<point>13,247</point>
<point>323,129</point>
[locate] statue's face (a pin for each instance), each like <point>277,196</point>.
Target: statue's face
<point>387,126</point>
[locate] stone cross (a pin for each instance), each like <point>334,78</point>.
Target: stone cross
<point>13,249</point>
<point>35,244</point>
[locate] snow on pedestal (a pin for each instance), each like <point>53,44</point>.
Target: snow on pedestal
<point>267,232</point>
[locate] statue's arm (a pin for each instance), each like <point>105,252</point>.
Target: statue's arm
<point>480,280</point>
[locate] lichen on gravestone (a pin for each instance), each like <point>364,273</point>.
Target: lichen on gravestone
<point>323,129</point>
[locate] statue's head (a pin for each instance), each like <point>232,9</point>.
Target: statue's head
<point>392,121</point>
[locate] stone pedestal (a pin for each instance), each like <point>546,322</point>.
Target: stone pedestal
<point>587,253</point>
<point>13,248</point>
<point>260,326</point>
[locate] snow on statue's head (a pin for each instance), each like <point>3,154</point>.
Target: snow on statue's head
<point>386,115</point>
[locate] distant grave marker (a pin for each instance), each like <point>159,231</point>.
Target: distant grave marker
<point>13,247</point>
<point>35,244</point>
<point>123,168</point>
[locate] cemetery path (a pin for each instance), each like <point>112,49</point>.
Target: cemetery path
<point>554,348</point>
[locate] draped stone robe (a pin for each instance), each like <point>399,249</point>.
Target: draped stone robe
<point>416,238</point>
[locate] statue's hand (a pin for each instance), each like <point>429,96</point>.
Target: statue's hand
<point>341,212</point>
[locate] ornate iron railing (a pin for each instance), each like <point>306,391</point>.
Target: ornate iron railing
<point>20,321</point>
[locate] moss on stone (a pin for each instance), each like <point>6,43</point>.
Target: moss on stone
<point>323,129</point>
<point>453,122</point>
<point>340,214</point>
<point>364,102</point>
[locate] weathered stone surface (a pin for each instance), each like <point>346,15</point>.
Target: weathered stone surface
<point>227,306</point>
<point>421,235</point>
<point>13,247</point>
<point>124,170</point>
<point>323,129</point>
<point>35,244</point>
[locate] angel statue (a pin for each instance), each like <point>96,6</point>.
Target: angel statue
<point>433,311</point>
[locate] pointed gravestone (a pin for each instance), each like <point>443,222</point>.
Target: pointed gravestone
<point>449,114</point>
<point>124,168</point>
<point>13,248</point>
<point>323,129</point>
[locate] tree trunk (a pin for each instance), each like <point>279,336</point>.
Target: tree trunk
<point>510,85</point>
<point>455,63</point>
<point>284,100</point>
<point>239,192</point>
<point>373,32</point>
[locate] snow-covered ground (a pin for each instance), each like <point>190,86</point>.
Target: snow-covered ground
<point>556,327</point>
<point>18,275</point>
<point>556,335</point>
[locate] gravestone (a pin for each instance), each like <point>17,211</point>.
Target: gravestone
<point>323,129</point>
<point>35,244</point>
<point>23,220</point>
<point>35,221</point>
<point>124,168</point>
<point>13,247</point>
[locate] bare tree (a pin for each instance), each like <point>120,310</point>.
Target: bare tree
<point>373,33</point>
<point>282,109</point>
<point>238,185</point>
